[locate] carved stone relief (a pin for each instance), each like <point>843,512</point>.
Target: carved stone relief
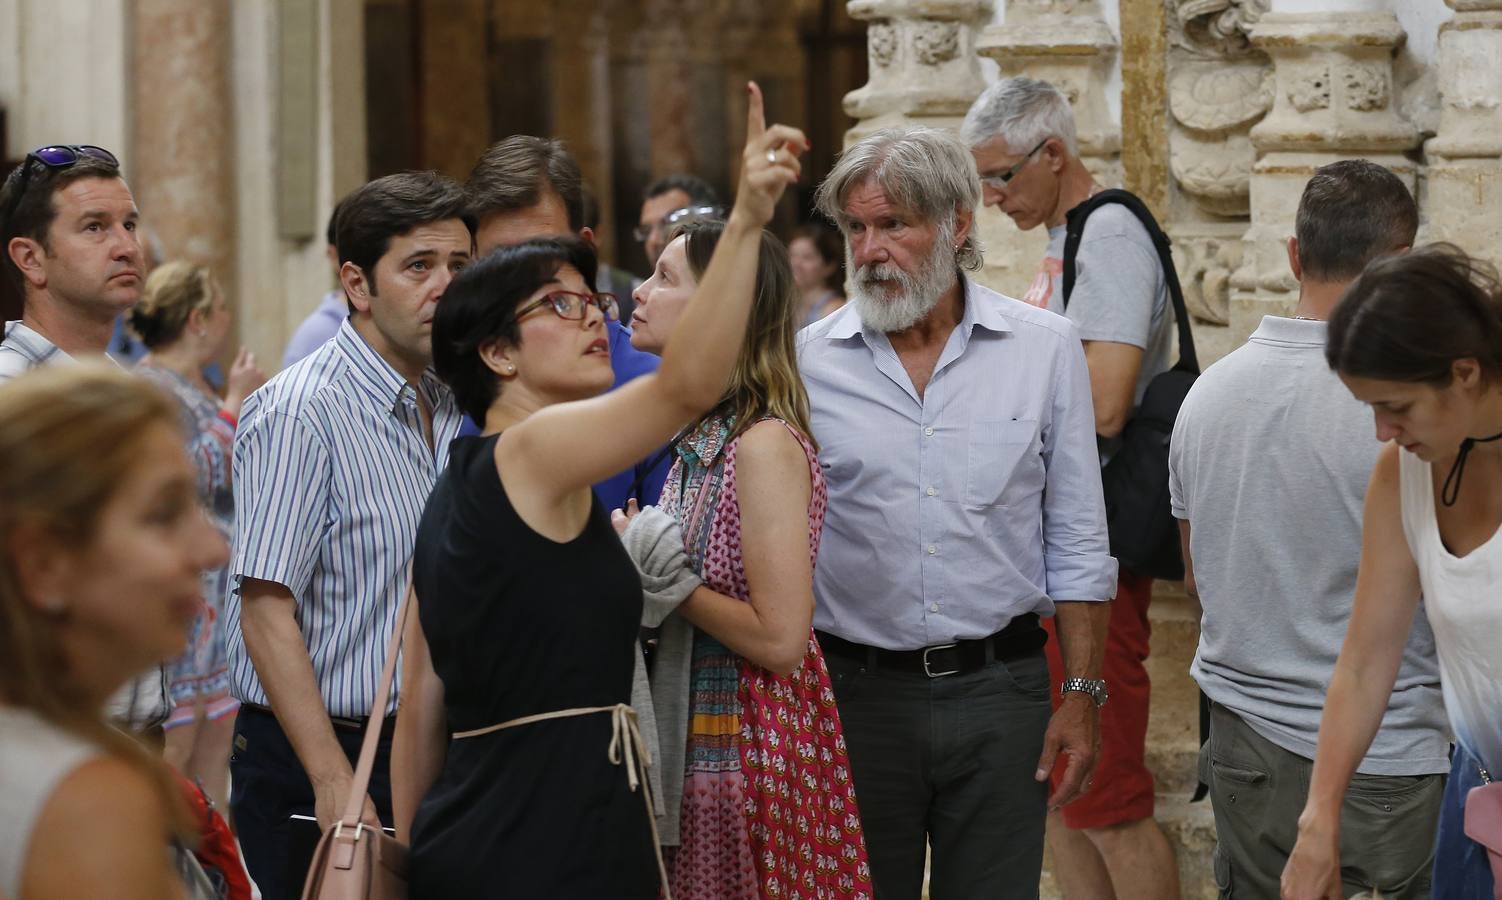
<point>1311,91</point>
<point>1367,87</point>
<point>936,42</point>
<point>881,38</point>
<point>1206,258</point>
<point>1218,88</point>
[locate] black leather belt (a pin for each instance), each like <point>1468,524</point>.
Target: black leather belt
<point>1022,636</point>
<point>340,723</point>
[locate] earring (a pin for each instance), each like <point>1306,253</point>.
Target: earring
<point>510,369</point>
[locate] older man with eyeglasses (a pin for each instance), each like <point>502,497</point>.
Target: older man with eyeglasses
<point>1107,842</point>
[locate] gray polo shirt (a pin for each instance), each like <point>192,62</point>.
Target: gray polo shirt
<point>1269,463</point>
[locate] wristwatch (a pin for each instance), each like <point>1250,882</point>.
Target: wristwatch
<point>1096,688</point>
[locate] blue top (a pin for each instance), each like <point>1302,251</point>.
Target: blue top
<point>318,327</point>
<point>627,362</point>
<point>953,512</point>
<point>331,472</point>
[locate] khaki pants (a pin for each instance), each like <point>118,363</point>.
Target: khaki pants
<point>1258,789</point>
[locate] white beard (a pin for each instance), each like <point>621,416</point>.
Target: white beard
<point>889,299</point>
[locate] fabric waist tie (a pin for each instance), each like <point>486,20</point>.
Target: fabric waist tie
<point>626,745</point>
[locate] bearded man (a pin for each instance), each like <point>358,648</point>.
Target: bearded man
<point>958,440</point>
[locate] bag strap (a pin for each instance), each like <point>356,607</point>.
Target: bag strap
<point>1075,230</point>
<point>361,785</point>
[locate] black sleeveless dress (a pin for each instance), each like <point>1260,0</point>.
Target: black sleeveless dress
<point>518,624</point>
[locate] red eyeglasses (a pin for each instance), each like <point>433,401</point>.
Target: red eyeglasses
<point>572,305</point>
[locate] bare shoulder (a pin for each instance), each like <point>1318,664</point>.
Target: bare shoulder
<point>770,443</point>
<point>102,830</point>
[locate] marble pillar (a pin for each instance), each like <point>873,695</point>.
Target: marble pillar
<point>1333,98</point>
<point>1463,201</point>
<point>1068,44</point>
<point>181,153</point>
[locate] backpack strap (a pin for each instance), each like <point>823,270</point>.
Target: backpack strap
<point>1075,229</point>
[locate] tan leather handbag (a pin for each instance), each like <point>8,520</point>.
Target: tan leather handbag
<point>354,861</point>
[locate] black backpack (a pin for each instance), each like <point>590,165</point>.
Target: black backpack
<point>1144,535</point>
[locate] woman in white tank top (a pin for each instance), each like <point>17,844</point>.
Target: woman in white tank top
<point>102,548</point>
<point>1418,337</point>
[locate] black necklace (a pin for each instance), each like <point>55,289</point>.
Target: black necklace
<point>1450,492</point>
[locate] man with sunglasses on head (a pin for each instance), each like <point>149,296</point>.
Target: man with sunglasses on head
<point>68,224</point>
<point>334,460</point>
<point>1022,135</point>
<point>668,203</point>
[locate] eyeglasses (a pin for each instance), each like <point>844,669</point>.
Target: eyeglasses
<point>999,181</point>
<point>681,216</point>
<point>56,156</point>
<point>573,305</point>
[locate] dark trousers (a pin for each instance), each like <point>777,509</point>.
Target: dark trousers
<point>268,785</point>
<point>948,762</point>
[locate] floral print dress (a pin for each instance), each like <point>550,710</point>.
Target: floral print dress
<point>203,669</point>
<point>768,805</point>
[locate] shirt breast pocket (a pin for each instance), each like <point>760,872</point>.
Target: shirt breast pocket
<point>998,453</point>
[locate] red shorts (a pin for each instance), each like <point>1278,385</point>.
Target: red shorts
<point>1122,786</point>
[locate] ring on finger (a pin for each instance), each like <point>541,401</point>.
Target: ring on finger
<point>772,157</point>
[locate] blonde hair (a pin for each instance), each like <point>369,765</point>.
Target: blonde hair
<point>69,435</point>
<point>173,291</point>
<point>766,380</point>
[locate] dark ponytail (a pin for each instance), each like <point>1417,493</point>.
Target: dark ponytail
<point>1410,316</point>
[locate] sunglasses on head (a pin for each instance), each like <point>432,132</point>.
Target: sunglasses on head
<point>55,156</point>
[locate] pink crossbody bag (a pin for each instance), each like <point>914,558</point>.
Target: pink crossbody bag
<point>354,861</point>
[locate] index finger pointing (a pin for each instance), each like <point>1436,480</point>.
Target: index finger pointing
<point>756,117</point>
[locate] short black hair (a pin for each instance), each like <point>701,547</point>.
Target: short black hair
<point>516,172</point>
<point>1351,212</point>
<point>30,215</point>
<point>1410,316</point>
<point>479,307</point>
<point>376,212</point>
<point>699,191</point>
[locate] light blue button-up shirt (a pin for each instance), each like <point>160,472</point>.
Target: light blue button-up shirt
<point>331,474</point>
<point>953,512</point>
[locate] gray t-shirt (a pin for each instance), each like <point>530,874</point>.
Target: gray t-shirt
<point>1269,463</point>
<point>1119,294</point>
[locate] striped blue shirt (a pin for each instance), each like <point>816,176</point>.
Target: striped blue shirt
<point>331,473</point>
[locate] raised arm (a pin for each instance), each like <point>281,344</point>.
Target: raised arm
<point>1387,598</point>
<point>567,446</point>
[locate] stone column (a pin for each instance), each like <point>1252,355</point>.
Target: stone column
<point>1333,98</point>
<point>923,64</point>
<point>181,159</point>
<point>1464,202</point>
<point>1068,44</point>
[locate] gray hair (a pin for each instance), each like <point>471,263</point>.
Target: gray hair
<point>1023,112</point>
<point>925,172</point>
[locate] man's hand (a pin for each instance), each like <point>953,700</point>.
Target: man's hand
<point>1313,869</point>
<point>331,796</point>
<point>1075,732</point>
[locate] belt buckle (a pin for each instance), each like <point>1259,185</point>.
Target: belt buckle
<point>930,672</point>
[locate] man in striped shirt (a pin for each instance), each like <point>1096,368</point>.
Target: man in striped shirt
<point>333,462</point>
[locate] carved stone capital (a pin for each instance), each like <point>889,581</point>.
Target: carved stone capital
<point>1334,83</point>
<point>923,64</point>
<point>1470,82</point>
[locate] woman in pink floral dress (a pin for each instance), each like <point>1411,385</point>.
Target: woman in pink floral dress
<point>767,806</point>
